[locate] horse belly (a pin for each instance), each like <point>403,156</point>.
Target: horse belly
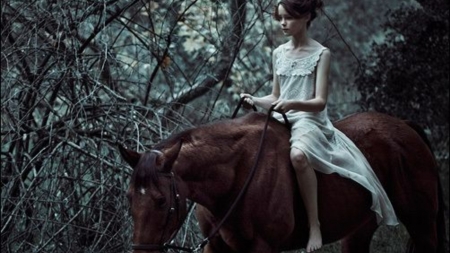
<point>344,206</point>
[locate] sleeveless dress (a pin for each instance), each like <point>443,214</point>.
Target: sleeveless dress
<point>328,150</point>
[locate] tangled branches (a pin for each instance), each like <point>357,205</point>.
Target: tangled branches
<point>80,76</point>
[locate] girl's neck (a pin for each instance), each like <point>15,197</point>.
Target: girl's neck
<point>300,41</point>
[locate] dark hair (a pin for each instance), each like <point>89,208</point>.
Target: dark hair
<point>299,8</point>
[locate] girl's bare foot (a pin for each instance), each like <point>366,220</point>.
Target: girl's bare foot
<point>315,239</point>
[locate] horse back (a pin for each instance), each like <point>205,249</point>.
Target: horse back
<point>394,149</point>
<point>400,157</point>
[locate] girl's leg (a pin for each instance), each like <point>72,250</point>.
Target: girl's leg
<point>307,182</point>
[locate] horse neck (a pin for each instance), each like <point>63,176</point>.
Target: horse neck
<point>209,162</point>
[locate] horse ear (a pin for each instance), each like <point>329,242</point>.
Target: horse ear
<point>171,154</point>
<point>131,157</point>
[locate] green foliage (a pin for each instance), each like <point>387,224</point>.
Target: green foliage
<point>407,74</point>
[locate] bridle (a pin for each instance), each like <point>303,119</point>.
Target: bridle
<point>175,199</point>
<point>174,208</point>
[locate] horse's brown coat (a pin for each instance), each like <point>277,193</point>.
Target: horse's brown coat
<point>211,163</point>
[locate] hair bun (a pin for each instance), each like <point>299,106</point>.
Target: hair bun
<point>319,4</point>
<point>298,8</point>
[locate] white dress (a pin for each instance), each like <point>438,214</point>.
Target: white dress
<point>328,150</point>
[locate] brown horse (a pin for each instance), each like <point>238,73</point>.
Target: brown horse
<point>209,165</point>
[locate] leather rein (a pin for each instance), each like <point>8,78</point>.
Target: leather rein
<point>175,198</point>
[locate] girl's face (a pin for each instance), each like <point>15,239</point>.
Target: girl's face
<point>291,25</point>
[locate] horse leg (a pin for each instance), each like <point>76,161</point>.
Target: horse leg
<point>423,235</point>
<point>419,214</point>
<point>359,240</point>
<point>260,245</point>
<point>217,245</point>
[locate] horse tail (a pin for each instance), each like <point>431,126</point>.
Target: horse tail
<point>442,234</point>
<point>419,130</point>
<point>441,227</point>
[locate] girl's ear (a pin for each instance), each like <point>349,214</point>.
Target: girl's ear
<point>131,157</point>
<point>308,16</point>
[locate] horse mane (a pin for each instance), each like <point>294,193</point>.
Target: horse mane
<point>145,171</point>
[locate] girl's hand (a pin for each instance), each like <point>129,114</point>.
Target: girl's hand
<point>248,100</point>
<point>282,105</point>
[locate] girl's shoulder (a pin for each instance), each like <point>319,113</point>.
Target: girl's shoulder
<point>280,48</point>
<point>316,44</point>
<point>315,48</point>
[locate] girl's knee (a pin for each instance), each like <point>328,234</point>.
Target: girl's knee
<point>299,160</point>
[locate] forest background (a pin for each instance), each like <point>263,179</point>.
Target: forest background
<point>78,76</point>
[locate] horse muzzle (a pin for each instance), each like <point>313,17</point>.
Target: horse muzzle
<point>149,247</point>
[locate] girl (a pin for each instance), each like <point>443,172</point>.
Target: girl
<point>300,78</point>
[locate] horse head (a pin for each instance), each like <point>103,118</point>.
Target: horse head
<point>156,207</point>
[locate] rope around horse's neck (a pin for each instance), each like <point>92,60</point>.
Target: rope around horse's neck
<point>249,177</point>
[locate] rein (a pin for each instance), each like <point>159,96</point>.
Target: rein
<point>165,246</point>
<point>252,172</point>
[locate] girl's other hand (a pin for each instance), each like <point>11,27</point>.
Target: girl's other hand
<point>282,106</point>
<point>248,100</point>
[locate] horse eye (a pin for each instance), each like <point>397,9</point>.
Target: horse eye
<point>160,201</point>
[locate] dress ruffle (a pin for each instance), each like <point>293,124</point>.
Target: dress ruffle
<point>296,66</point>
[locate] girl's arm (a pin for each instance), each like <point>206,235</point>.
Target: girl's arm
<point>267,101</point>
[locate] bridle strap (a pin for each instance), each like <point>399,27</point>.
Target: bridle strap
<point>147,247</point>
<point>286,121</point>
<point>174,200</point>
<point>239,106</point>
<point>163,247</point>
